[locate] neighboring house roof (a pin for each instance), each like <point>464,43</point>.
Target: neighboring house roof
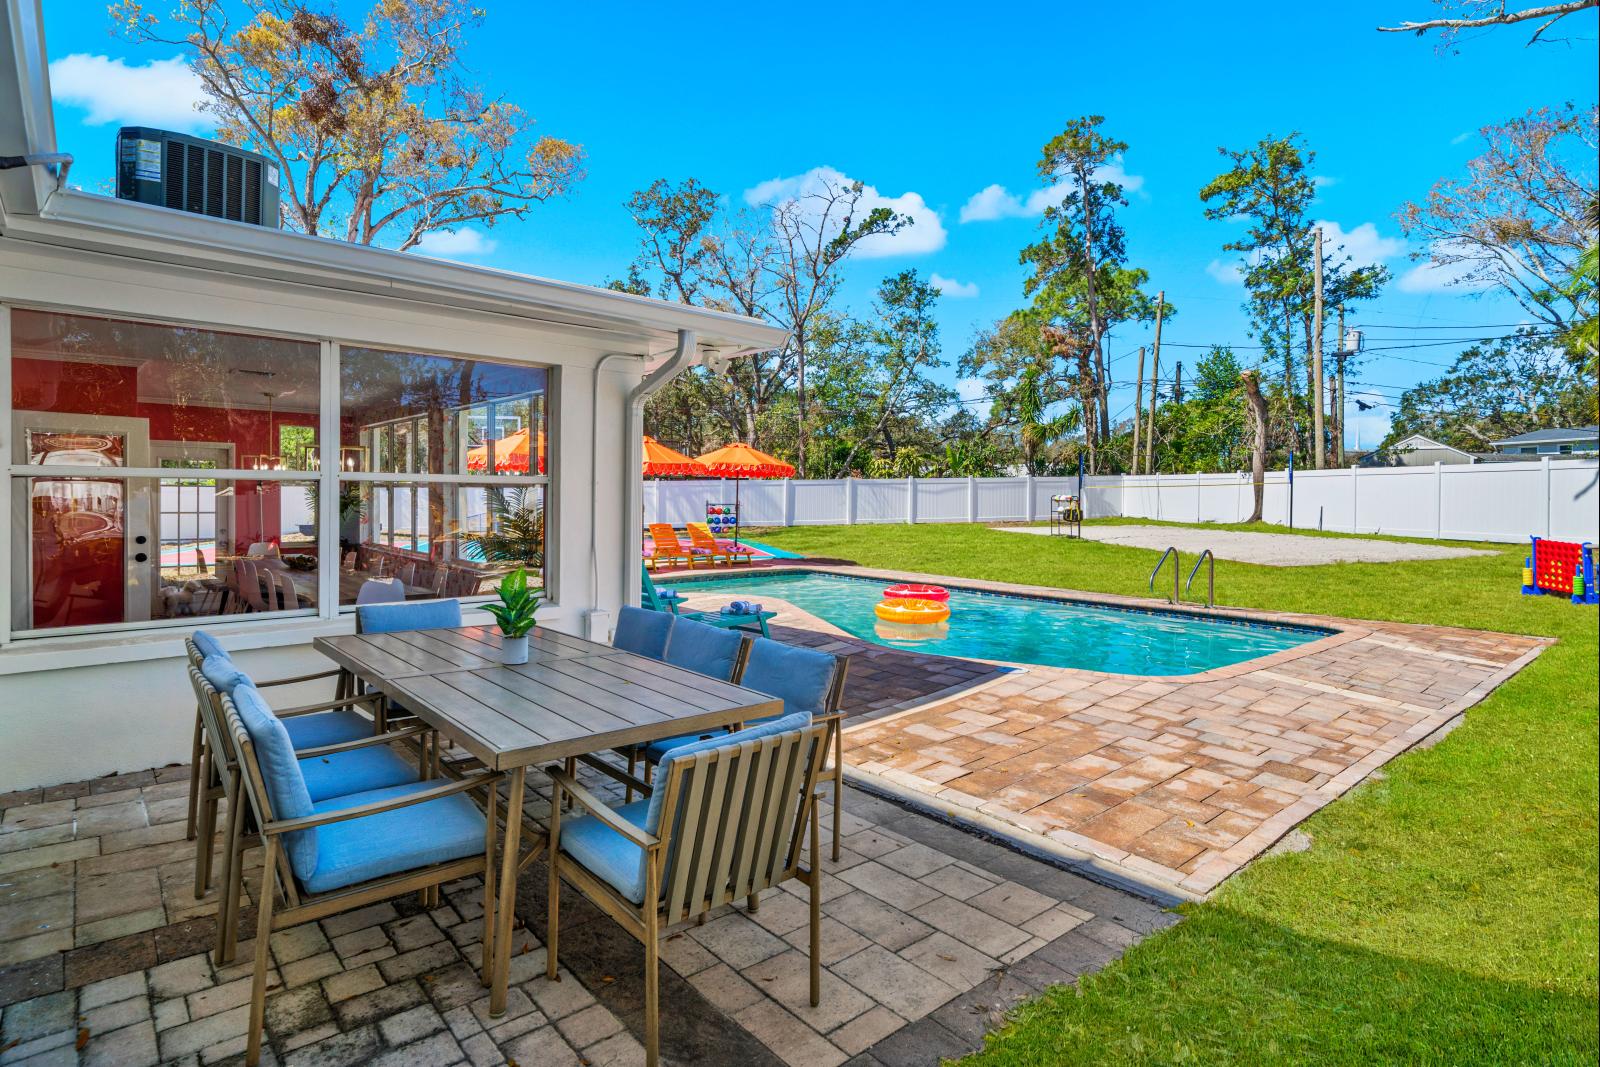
<point>1555,436</point>
<point>1418,442</point>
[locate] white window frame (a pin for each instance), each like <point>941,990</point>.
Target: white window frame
<point>328,477</point>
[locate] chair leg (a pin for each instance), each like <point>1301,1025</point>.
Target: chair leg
<point>838,785</point>
<point>572,772</point>
<point>258,985</point>
<point>205,841</point>
<point>194,777</point>
<point>552,921</point>
<point>232,882</point>
<point>490,803</point>
<point>652,961</point>
<point>753,903</point>
<point>816,908</point>
<point>633,770</point>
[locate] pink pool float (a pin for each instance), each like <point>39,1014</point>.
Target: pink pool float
<point>913,591</point>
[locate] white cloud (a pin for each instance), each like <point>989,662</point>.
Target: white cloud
<point>926,233</point>
<point>1364,244</point>
<point>163,92</point>
<point>443,244</point>
<point>1461,138</point>
<point>1226,273</point>
<point>972,391</point>
<point>952,288</point>
<point>1322,181</point>
<point>997,202</point>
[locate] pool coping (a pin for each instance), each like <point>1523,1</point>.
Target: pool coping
<point>1339,631</point>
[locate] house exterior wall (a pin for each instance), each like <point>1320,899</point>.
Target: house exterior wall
<point>79,706</point>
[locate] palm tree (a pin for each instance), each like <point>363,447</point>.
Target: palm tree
<point>516,529</point>
<point>1035,431</point>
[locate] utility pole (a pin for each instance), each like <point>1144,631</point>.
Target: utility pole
<point>1316,354</point>
<point>1155,376</point>
<point>1138,410</point>
<point>1338,393</point>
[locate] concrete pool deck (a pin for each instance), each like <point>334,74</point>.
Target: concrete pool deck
<point>1266,549</point>
<point>1171,784</point>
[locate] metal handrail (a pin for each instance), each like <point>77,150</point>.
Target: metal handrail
<point>1177,564</point>
<point>1211,577</point>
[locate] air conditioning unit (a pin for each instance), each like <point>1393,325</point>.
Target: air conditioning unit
<point>190,174</point>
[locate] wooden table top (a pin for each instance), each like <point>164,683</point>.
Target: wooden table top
<point>572,696</point>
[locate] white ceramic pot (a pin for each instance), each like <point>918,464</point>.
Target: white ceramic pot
<point>513,649</point>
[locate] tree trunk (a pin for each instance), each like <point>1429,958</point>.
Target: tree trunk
<point>1258,457</point>
<point>1095,328</point>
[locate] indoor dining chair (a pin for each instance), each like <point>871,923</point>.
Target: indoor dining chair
<point>328,857</point>
<point>728,819</point>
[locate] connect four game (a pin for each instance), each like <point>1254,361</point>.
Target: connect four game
<point>1560,568</point>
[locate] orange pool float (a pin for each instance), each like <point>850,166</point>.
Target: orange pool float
<point>912,610</point>
<point>913,591</point>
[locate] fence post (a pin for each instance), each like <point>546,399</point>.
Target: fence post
<point>1027,509</point>
<point>1438,500</point>
<point>788,501</point>
<point>1544,461</point>
<point>1355,500</point>
<point>911,500</point>
<point>972,499</point>
<point>849,501</point>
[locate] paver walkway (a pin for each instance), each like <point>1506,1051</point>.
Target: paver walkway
<point>929,934</point>
<point>1175,782</point>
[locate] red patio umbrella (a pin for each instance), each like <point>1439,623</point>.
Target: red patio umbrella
<point>740,461</point>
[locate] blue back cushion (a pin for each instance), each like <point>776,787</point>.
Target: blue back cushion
<point>781,724</point>
<point>280,769</point>
<point>703,649</point>
<point>208,645</point>
<point>643,632</point>
<point>223,674</point>
<point>798,676</point>
<point>422,615</point>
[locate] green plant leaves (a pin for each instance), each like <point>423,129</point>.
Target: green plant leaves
<point>519,604</point>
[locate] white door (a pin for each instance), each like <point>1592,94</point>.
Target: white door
<point>86,547</point>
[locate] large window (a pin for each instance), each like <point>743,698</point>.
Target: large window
<point>161,472</point>
<point>443,462</point>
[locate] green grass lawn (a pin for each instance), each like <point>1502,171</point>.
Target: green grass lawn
<point>1445,913</point>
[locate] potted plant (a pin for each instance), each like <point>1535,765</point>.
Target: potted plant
<point>515,613</point>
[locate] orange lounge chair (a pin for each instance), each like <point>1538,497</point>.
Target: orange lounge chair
<point>668,549</point>
<point>700,536</point>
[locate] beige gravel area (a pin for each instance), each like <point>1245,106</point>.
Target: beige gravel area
<point>1268,549</point>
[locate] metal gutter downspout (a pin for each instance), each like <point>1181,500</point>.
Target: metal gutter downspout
<point>633,461</point>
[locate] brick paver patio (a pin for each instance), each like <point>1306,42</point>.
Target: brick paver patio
<point>1175,782</point>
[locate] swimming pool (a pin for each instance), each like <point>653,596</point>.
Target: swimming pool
<point>1021,629</point>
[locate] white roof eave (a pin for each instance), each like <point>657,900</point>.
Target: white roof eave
<point>160,235</point>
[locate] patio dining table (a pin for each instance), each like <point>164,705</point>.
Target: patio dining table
<point>571,698</point>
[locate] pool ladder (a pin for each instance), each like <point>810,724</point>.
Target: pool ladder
<point>1177,564</point>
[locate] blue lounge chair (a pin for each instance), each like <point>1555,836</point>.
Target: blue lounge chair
<point>669,600</point>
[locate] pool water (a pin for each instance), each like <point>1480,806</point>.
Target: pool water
<point>1020,629</point>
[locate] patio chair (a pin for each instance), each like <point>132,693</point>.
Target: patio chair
<point>732,552</point>
<point>728,820</point>
<point>389,617</point>
<point>669,549</point>
<point>334,856</point>
<point>326,728</point>
<point>644,633</point>
<point>331,771</point>
<point>657,599</point>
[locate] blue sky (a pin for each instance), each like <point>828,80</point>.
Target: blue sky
<point>932,107</point>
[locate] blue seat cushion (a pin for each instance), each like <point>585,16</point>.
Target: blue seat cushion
<point>223,674</point>
<point>800,677</point>
<point>405,839</point>
<point>208,645</point>
<point>280,770</point>
<point>361,770</point>
<point>619,862</point>
<point>420,615</point>
<point>607,854</point>
<point>327,728</point>
<point>704,649</point>
<point>643,633</point>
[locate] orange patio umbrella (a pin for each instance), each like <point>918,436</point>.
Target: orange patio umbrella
<point>663,462</point>
<point>510,454</point>
<point>740,461</point>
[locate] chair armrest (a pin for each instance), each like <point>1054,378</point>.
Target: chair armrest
<point>328,705</point>
<point>310,822</point>
<point>598,809</point>
<point>297,678</point>
<point>386,738</point>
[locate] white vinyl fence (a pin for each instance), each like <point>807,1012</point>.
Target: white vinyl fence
<point>1547,497</point>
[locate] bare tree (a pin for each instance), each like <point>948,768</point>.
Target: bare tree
<point>1258,453</point>
<point>374,128</point>
<point>1516,222</point>
<point>1486,14</point>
